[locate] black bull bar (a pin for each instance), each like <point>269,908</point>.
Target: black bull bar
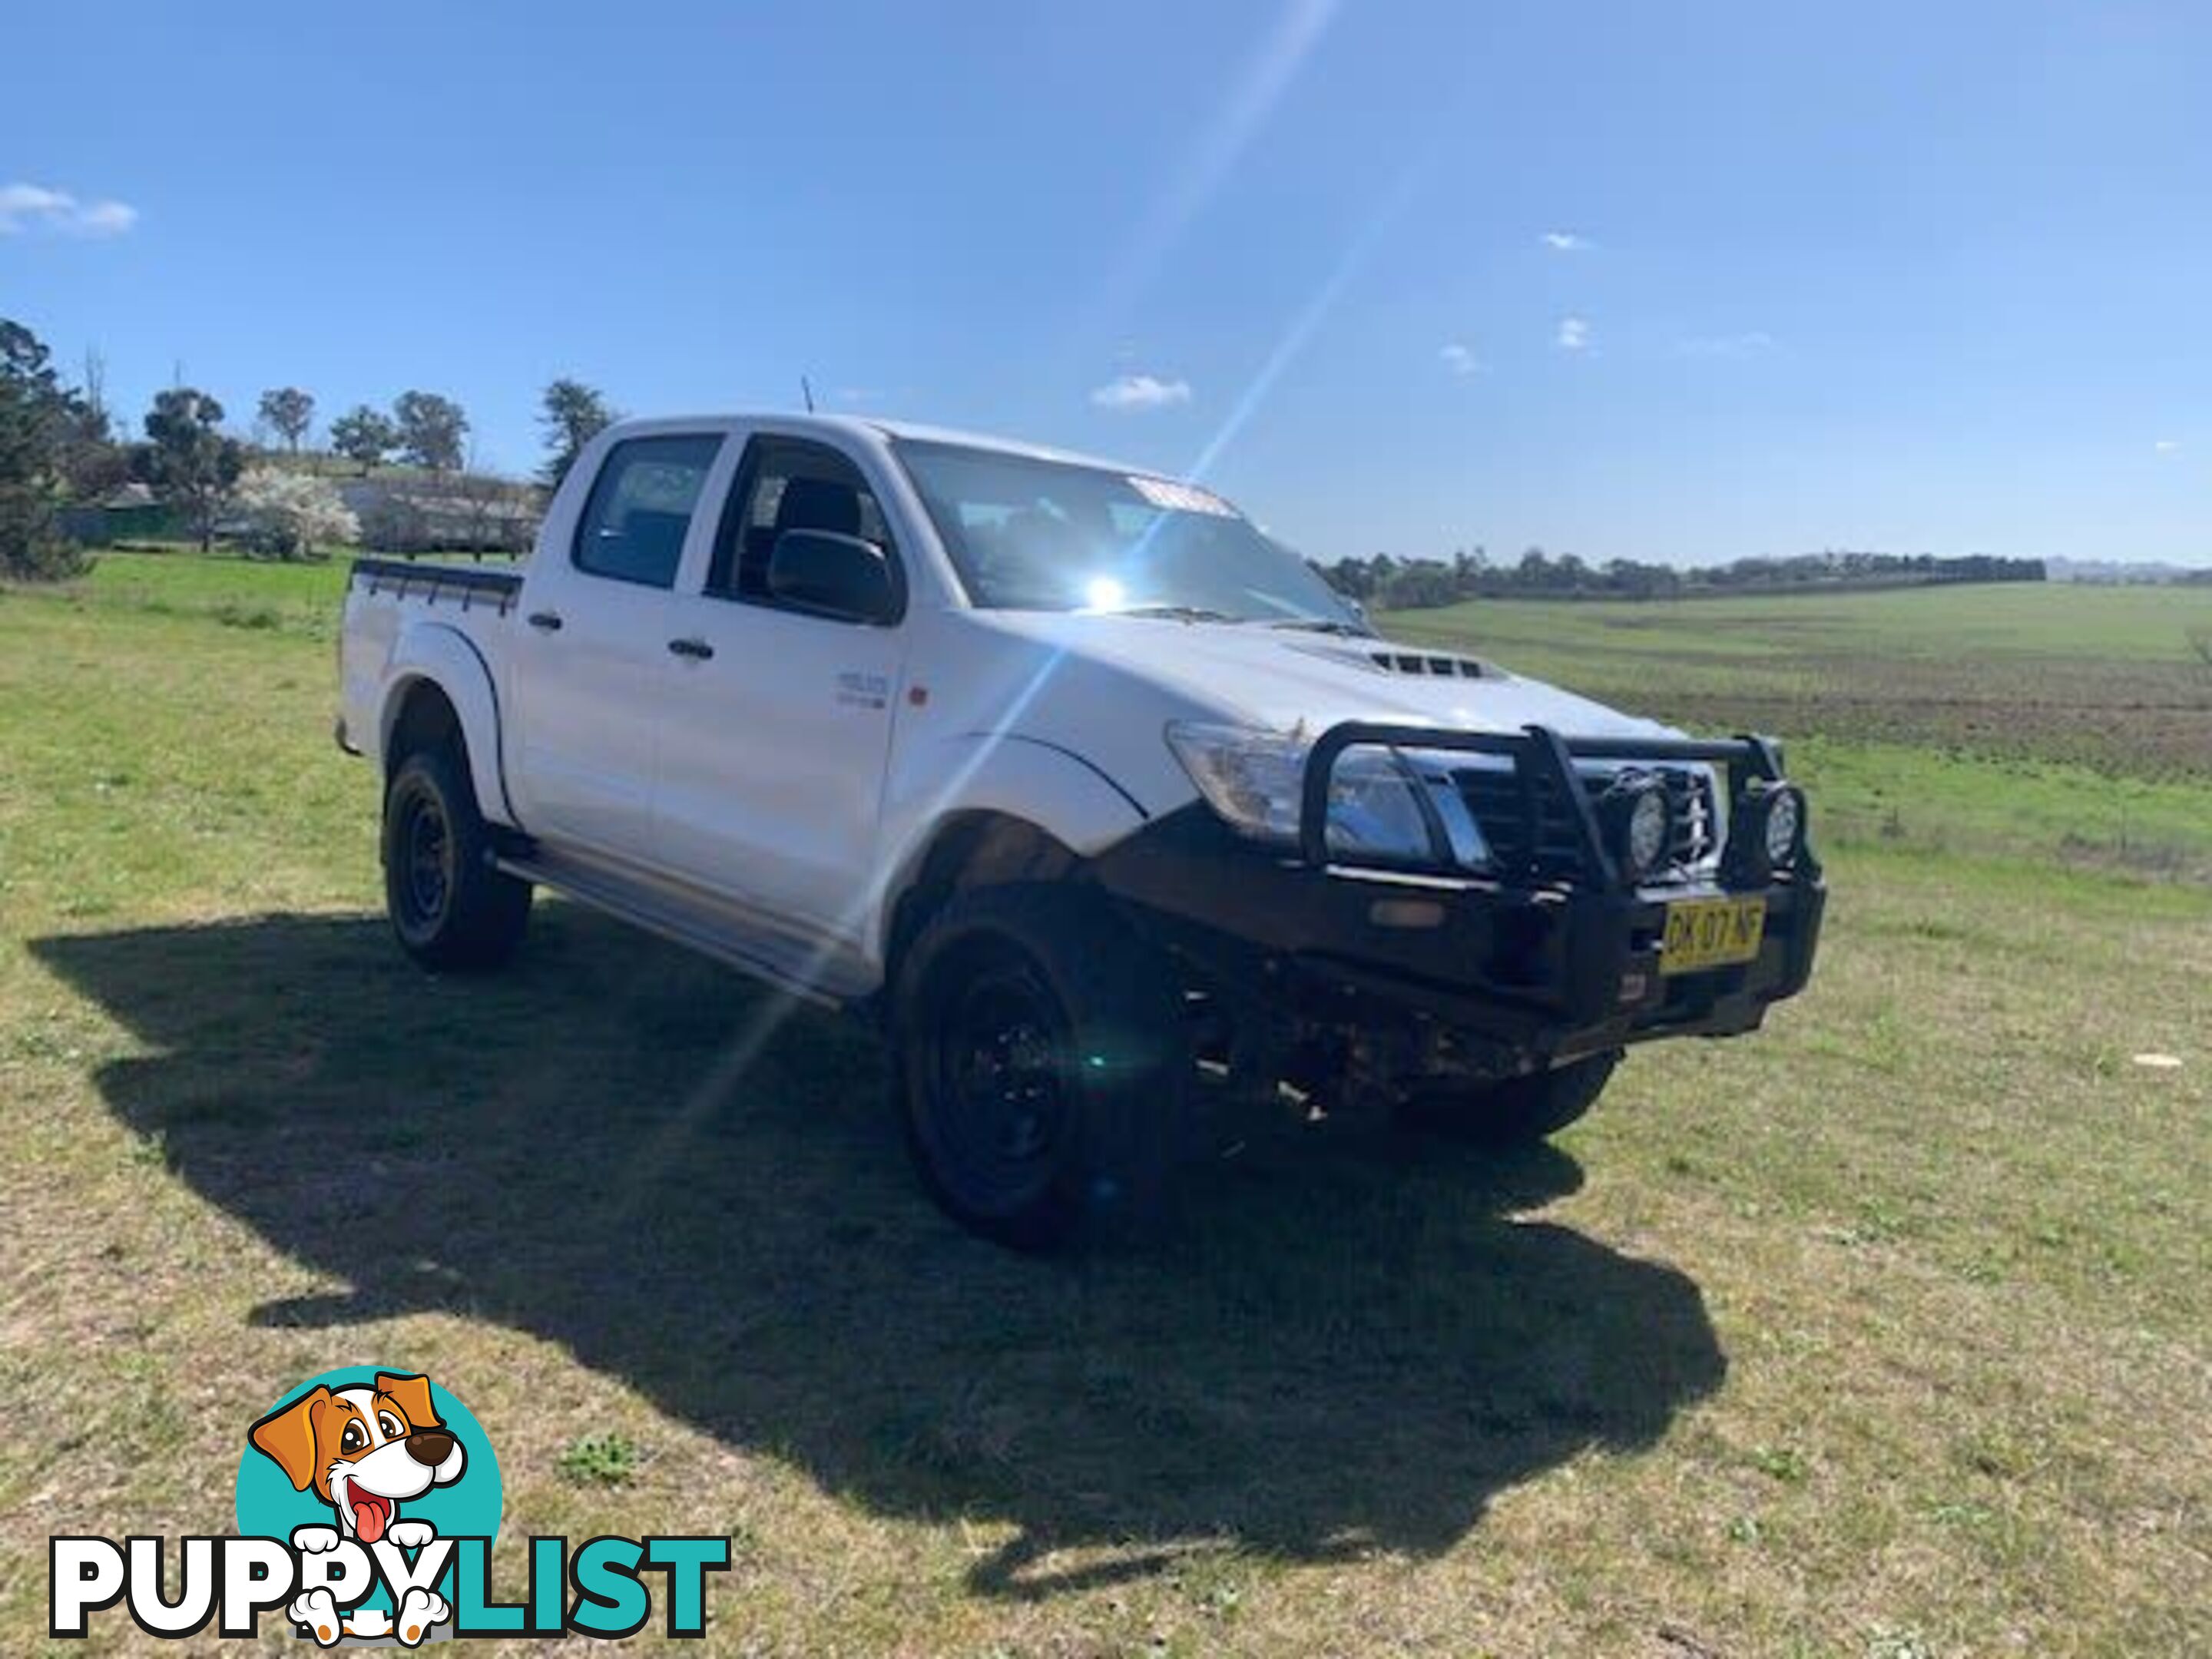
<point>1544,761</point>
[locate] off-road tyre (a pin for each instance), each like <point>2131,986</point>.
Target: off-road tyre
<point>452,909</point>
<point>1044,1069</point>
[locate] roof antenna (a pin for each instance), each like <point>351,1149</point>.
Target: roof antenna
<point>806,391</point>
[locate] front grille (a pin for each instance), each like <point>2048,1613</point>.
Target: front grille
<point>1494,796</point>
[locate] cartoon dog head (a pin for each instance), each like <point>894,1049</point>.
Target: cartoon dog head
<point>362,1449</point>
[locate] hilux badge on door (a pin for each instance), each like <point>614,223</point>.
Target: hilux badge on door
<point>857,689</point>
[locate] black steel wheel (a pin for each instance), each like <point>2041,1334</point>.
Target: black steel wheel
<point>450,908</point>
<point>999,1077</point>
<point>426,854</point>
<point>1043,1067</point>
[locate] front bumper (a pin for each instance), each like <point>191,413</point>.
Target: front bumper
<point>1520,972</point>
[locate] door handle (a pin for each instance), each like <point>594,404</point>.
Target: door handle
<point>698,650</point>
<point>546,622</point>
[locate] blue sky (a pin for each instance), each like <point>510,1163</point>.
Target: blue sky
<point>1756,278</point>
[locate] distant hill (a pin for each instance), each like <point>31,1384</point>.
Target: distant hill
<point>2123,572</point>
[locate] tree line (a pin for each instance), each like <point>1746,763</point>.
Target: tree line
<point>1393,584</point>
<point>61,447</point>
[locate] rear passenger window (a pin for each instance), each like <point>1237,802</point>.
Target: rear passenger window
<point>641,507</point>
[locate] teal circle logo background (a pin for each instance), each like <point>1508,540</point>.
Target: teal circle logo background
<point>470,1507</point>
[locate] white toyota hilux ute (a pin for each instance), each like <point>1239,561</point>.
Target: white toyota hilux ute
<point>1100,798</point>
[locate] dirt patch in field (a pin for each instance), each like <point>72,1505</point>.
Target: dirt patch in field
<point>2131,739</point>
<point>2131,719</point>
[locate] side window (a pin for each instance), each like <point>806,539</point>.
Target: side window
<point>641,507</point>
<point>789,484</point>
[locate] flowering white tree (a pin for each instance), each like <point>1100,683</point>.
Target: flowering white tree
<point>290,513</point>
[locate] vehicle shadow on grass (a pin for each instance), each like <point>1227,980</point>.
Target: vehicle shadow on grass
<point>1352,1344</point>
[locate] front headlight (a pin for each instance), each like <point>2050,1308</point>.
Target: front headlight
<point>1382,805</point>
<point>1374,809</point>
<point>1252,779</point>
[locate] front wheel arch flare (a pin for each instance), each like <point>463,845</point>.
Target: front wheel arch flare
<point>972,849</point>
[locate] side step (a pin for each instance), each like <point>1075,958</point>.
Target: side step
<point>831,976</point>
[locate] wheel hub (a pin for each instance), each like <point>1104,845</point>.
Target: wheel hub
<point>1004,1098</point>
<point>428,861</point>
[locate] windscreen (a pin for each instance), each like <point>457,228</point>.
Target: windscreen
<point>1036,535</point>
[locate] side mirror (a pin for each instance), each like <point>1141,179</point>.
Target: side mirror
<point>833,575</point>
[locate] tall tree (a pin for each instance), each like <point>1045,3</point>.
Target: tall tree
<point>571,414</point>
<point>431,429</point>
<point>290,412</point>
<point>93,463</point>
<point>191,465</point>
<point>364,437</point>
<point>33,410</point>
<point>94,394</point>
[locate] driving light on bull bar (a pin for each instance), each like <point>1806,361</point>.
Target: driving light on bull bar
<point>1638,823</point>
<point>1782,832</point>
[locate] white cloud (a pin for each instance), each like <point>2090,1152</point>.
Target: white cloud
<point>1460,360</point>
<point>2167,446</point>
<point>1574,334</point>
<point>1565,241</point>
<point>1747,344</point>
<point>1133,392</point>
<point>106,218</point>
<point>19,202</point>
<point>34,207</point>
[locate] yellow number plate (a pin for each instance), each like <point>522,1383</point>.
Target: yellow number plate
<point>1711,933</point>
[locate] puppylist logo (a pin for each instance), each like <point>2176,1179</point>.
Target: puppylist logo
<point>367,1504</point>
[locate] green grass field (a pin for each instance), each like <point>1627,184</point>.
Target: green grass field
<point>1882,1334</point>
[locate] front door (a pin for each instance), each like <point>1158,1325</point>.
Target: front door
<point>776,727</point>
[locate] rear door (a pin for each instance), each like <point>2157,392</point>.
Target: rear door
<point>774,733</point>
<point>591,653</point>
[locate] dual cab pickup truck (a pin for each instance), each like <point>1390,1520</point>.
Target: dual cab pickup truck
<point>1087,789</point>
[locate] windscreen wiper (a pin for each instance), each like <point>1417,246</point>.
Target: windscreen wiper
<point>1325,625</point>
<point>1175,613</point>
